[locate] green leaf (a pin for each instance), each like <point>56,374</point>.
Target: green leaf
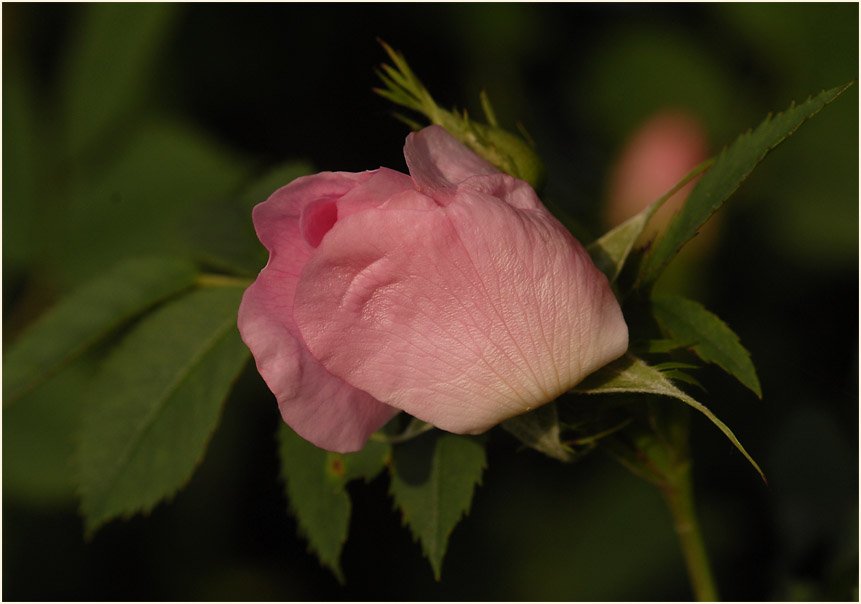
<point>144,199</point>
<point>315,482</point>
<point>156,402</point>
<point>315,489</point>
<point>730,169</point>
<point>540,430</point>
<point>365,464</point>
<point>713,341</point>
<point>38,438</point>
<point>630,374</point>
<point>433,480</point>
<point>109,64</point>
<point>88,314</point>
<point>657,346</point>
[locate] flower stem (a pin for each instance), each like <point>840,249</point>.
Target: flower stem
<point>679,496</point>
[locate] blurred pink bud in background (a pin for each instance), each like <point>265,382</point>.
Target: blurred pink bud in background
<point>654,159</point>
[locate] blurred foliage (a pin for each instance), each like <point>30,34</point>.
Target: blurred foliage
<point>132,129</point>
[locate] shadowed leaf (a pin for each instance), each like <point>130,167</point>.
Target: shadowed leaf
<point>315,483</point>
<point>712,340</point>
<point>85,316</point>
<point>156,402</point>
<point>433,480</point>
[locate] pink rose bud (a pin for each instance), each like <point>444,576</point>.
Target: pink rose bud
<point>653,161</point>
<point>451,294</point>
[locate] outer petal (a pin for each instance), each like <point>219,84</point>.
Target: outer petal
<point>438,162</point>
<point>462,315</point>
<point>319,406</point>
<point>384,185</point>
<point>276,219</point>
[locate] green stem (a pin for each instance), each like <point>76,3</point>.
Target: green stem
<point>679,495</point>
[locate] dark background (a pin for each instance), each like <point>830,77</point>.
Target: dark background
<point>226,92</point>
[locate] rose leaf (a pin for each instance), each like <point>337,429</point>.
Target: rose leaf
<point>433,481</point>
<point>713,341</point>
<point>83,317</point>
<point>156,402</point>
<point>317,497</point>
<point>315,483</point>
<point>610,251</point>
<point>38,437</point>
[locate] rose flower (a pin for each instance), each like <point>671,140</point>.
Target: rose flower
<point>450,293</point>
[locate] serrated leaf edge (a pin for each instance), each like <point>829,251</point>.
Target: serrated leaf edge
<point>301,524</point>
<point>649,272</point>
<point>755,386</point>
<point>436,565</point>
<point>92,525</point>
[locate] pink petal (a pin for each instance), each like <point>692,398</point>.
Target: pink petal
<point>274,218</point>
<point>317,219</point>
<point>438,162</point>
<point>383,185</point>
<point>462,315</point>
<point>319,406</point>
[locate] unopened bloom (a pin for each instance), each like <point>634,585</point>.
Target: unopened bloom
<point>450,293</point>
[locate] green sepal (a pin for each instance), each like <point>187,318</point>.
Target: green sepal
<point>540,430</point>
<point>506,151</point>
<point>632,375</point>
<point>655,443</point>
<point>657,346</point>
